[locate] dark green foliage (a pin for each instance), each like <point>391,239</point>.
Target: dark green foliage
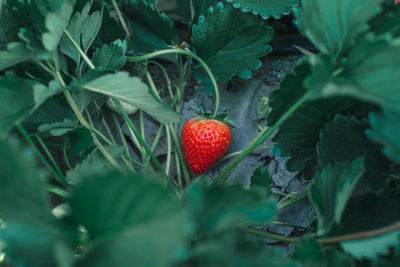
<point>238,40</point>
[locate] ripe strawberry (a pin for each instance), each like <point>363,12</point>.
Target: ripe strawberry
<point>204,141</point>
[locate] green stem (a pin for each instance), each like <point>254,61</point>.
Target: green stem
<point>84,56</point>
<point>178,147</point>
<point>105,124</point>
<point>178,170</point>
<point>190,54</point>
<point>331,240</point>
<point>123,158</point>
<point>169,148</point>
<point>361,235</point>
<point>279,193</point>
<point>121,134</point>
<point>58,191</point>
<point>37,152</point>
<point>145,146</point>
<point>49,155</point>
<point>291,225</point>
<point>65,153</point>
<point>157,138</point>
<point>164,72</point>
<point>272,236</point>
<point>294,200</point>
<point>141,121</point>
<point>258,140</point>
<point>152,85</point>
<point>120,17</point>
<point>82,120</point>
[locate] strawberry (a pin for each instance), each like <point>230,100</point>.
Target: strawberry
<point>204,141</point>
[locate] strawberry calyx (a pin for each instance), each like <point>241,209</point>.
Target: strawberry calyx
<point>222,117</point>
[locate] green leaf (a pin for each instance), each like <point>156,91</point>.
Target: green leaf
<point>127,215</point>
<point>93,164</point>
<point>19,98</point>
<point>292,138</point>
<point>344,139</point>
<point>151,31</point>
<point>387,21</point>
<point>334,25</point>
<point>16,53</point>
<point>9,26</point>
<point>83,28</point>
<point>384,130</point>
<point>56,23</point>
<point>374,78</point>
<point>368,213</point>
<point>216,208</point>
<point>235,248</point>
<point>192,9</point>
<point>372,248</point>
<point>331,191</point>
<point>291,90</point>
<point>110,57</point>
<point>53,110</point>
<point>32,235</point>
<point>309,252</point>
<point>19,169</point>
<point>58,128</point>
<point>111,30</point>
<point>261,178</point>
<point>266,9</point>
<point>133,91</point>
<point>238,40</point>
<point>163,236</point>
<point>80,140</point>
<point>107,204</point>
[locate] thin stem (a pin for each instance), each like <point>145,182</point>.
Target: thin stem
<point>331,240</point>
<point>37,152</point>
<point>105,124</point>
<point>291,225</point>
<point>89,117</point>
<point>87,60</point>
<point>102,136</point>
<point>65,153</point>
<point>82,120</point>
<point>294,200</point>
<point>164,72</point>
<point>169,148</point>
<point>145,146</point>
<point>178,169</point>
<point>49,155</point>
<point>190,54</point>
<point>178,147</point>
<point>121,19</point>
<point>361,235</point>
<point>123,158</point>
<point>58,191</point>
<point>258,140</point>
<point>272,236</point>
<point>121,134</point>
<point>152,85</point>
<point>157,138</point>
<point>141,121</point>
<point>75,109</point>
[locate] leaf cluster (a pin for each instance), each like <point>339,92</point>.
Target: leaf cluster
<point>343,136</point>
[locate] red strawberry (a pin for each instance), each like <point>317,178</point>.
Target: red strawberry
<point>204,141</point>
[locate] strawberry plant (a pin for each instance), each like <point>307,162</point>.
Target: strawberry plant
<point>91,91</point>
